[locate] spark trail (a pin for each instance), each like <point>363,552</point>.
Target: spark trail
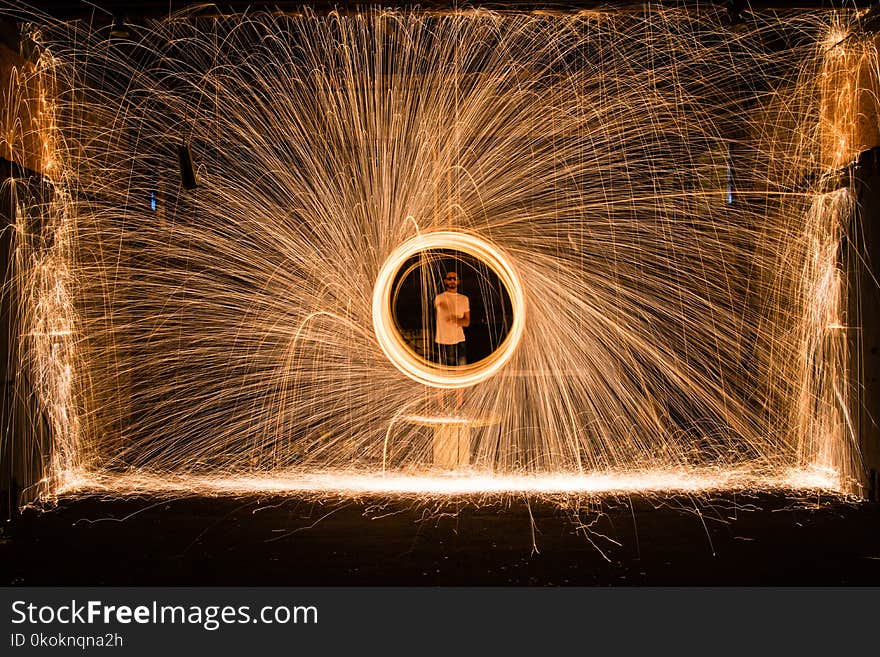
<point>651,178</point>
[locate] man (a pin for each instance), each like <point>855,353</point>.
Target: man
<point>453,315</point>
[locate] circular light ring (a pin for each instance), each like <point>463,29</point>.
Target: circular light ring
<point>392,343</point>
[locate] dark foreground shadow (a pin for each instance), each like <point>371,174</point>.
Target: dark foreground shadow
<point>731,539</point>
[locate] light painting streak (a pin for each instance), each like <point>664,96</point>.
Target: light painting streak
<point>644,185</point>
<point>392,343</point>
<point>428,485</point>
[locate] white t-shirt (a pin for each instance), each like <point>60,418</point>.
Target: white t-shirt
<point>450,306</point>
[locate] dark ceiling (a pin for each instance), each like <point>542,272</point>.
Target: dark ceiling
<point>106,9</point>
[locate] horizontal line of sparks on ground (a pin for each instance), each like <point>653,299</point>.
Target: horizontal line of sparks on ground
<point>437,483</point>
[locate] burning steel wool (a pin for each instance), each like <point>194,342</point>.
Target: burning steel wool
<point>645,189</point>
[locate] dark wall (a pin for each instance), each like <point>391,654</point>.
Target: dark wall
<point>25,445</point>
<point>8,474</point>
<point>863,254</point>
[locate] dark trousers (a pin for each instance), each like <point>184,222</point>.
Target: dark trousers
<point>452,355</point>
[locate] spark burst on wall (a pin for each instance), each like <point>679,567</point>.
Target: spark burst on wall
<point>653,179</point>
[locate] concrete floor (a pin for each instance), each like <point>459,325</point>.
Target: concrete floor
<point>732,539</point>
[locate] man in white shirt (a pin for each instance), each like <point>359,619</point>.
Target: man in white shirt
<point>453,315</point>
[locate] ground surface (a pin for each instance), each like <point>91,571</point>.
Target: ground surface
<point>727,540</point>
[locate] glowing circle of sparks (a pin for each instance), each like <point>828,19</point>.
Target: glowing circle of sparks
<point>393,344</point>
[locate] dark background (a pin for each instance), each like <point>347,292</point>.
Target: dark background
<point>67,9</point>
<point>730,539</point>
<point>416,286</point>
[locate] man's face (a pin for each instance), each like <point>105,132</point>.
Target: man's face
<point>451,282</point>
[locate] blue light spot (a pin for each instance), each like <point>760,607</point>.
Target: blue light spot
<point>729,185</point>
